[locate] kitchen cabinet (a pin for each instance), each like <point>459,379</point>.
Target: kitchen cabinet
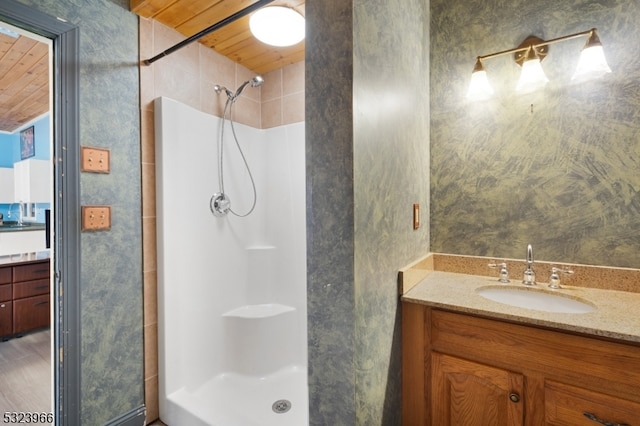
<point>6,310</point>
<point>24,297</point>
<point>460,369</point>
<point>7,190</point>
<point>32,181</point>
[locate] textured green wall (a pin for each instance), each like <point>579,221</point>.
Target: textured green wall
<point>111,262</point>
<point>367,162</point>
<point>558,168</point>
<point>330,239</point>
<point>391,172</point>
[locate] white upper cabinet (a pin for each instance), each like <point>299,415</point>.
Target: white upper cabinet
<point>32,179</point>
<point>7,190</point>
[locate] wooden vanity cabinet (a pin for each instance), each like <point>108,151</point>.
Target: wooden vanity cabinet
<point>24,298</point>
<point>468,393</point>
<point>465,370</point>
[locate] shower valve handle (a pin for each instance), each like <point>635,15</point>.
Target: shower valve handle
<point>220,204</point>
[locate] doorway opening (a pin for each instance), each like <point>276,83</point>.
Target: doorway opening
<point>26,139</point>
<point>64,189</point>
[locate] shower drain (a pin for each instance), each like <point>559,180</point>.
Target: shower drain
<point>281,406</point>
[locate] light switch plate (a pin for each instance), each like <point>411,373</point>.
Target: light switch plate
<point>96,218</point>
<point>95,160</point>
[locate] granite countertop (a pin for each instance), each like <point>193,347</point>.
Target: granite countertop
<point>18,258</point>
<point>26,226</point>
<point>616,315</point>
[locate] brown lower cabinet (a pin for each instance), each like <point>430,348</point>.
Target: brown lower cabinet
<point>468,393</point>
<point>6,318</point>
<point>24,298</point>
<point>464,370</point>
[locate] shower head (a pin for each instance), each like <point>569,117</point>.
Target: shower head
<point>254,82</point>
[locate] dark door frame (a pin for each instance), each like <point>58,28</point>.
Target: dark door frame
<point>66,202</point>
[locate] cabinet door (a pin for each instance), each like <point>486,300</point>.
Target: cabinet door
<point>21,181</point>
<point>5,293</point>
<point>30,313</point>
<point>466,393</point>
<point>30,288</point>
<point>32,181</point>
<point>7,191</point>
<point>5,275</point>
<point>31,271</point>
<point>568,406</point>
<point>6,319</point>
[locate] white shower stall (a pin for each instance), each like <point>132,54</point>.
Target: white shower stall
<point>232,328</point>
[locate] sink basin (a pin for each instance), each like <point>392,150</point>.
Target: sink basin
<point>540,300</point>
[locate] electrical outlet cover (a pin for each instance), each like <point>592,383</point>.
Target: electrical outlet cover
<point>96,218</point>
<point>95,160</point>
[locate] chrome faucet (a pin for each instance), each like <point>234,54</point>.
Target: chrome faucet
<point>19,212</point>
<point>529,274</point>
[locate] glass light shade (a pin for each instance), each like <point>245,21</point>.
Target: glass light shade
<point>277,26</point>
<point>592,64</point>
<point>532,76</point>
<point>479,88</point>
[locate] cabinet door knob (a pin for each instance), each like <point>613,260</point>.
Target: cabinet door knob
<point>514,397</point>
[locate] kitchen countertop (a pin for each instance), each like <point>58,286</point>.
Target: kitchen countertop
<point>616,316</point>
<point>28,226</point>
<point>16,259</point>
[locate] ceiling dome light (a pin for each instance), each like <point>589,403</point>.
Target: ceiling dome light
<point>277,26</point>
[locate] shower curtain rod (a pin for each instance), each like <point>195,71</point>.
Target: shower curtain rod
<point>247,10</point>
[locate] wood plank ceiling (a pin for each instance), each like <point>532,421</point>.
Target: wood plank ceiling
<point>24,62</point>
<point>234,40</point>
<point>24,81</point>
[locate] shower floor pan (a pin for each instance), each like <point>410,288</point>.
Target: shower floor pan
<point>238,400</point>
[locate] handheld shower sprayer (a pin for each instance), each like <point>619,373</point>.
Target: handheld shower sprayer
<point>254,82</point>
<point>220,204</point>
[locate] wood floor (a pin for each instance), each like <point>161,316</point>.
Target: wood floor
<point>25,373</point>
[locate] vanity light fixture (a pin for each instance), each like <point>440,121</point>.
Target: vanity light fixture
<point>592,63</point>
<point>532,76</point>
<point>479,88</point>
<point>529,55</point>
<point>277,26</point>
